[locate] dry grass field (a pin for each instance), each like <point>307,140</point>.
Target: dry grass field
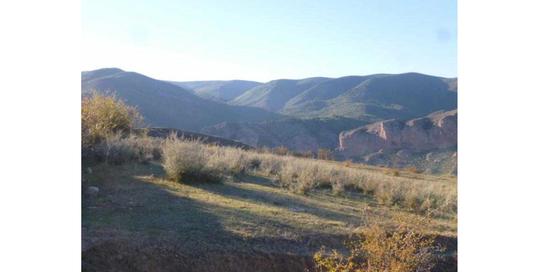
<point>173,204</point>
<point>204,206</point>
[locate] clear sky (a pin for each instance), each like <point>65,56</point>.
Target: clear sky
<point>265,40</point>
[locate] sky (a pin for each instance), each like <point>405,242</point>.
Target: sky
<point>266,40</point>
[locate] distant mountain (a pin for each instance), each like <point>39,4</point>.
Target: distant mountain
<point>219,90</point>
<point>295,134</point>
<point>166,105</point>
<point>369,98</point>
<point>275,94</point>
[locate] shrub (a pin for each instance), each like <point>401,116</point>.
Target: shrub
<point>404,249</point>
<point>302,154</point>
<point>271,165</point>
<point>186,159</point>
<point>102,116</point>
<point>181,158</point>
<point>281,150</point>
<point>392,172</point>
<point>324,154</point>
<point>413,169</point>
<point>117,149</point>
<point>338,188</point>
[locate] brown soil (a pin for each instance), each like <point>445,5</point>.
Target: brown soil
<point>159,256</point>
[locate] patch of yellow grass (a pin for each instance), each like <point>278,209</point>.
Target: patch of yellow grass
<point>266,210</point>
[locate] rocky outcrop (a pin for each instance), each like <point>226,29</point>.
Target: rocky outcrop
<point>433,132</point>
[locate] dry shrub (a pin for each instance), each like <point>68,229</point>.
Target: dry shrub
<point>281,150</point>
<point>302,175</point>
<point>264,149</point>
<point>197,161</point>
<point>118,149</point>
<point>413,169</point>
<point>392,172</point>
<point>324,154</point>
<point>186,159</point>
<point>304,154</point>
<point>338,188</point>
<point>308,178</point>
<point>271,165</point>
<point>102,116</point>
<point>404,249</point>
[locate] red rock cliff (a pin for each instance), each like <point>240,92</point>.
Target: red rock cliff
<point>435,131</point>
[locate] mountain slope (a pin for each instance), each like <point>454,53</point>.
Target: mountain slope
<point>275,94</point>
<point>295,134</point>
<point>370,98</point>
<point>326,90</point>
<point>165,105</point>
<point>401,96</point>
<point>219,90</point>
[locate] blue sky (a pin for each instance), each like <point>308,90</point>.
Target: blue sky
<point>265,40</point>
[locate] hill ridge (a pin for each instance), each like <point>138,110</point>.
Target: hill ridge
<point>164,104</point>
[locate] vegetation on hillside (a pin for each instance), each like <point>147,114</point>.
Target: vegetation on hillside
<point>107,131</point>
<point>404,249</point>
<point>218,90</point>
<point>194,161</point>
<point>102,116</point>
<point>369,98</point>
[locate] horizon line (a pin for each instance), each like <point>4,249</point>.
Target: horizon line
<point>236,79</point>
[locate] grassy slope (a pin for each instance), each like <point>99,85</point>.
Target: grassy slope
<point>246,217</point>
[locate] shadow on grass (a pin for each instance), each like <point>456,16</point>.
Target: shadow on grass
<point>278,198</point>
<point>134,225</point>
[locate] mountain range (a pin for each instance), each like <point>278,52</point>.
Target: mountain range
<point>164,104</point>
<point>303,114</point>
<point>370,98</point>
